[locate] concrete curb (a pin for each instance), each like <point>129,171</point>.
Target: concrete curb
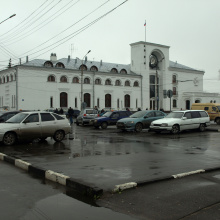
<point>124,186</point>
<point>82,188</point>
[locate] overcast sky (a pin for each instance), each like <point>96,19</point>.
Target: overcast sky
<point>189,27</point>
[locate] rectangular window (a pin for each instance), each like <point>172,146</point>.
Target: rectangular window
<point>75,102</point>
<point>98,103</point>
<point>51,102</point>
<point>15,101</point>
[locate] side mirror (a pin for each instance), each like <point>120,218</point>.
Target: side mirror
<point>26,121</point>
<point>184,118</point>
<point>145,116</point>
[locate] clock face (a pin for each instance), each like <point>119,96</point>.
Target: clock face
<point>153,61</point>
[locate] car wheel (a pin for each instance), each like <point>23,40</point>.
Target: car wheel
<point>218,121</point>
<point>138,127</point>
<point>104,125</point>
<point>175,129</point>
<point>202,127</point>
<point>77,123</point>
<point>59,136</point>
<point>9,139</point>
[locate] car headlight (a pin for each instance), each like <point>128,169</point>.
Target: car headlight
<point>95,121</point>
<point>130,122</point>
<point>164,125</point>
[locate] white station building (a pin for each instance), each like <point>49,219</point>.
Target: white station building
<point>144,83</point>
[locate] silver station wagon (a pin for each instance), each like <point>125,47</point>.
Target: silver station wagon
<point>178,121</point>
<point>34,125</point>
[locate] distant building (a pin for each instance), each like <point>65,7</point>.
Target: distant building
<point>42,84</point>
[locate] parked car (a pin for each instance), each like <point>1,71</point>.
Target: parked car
<point>139,120</point>
<point>85,116</point>
<point>109,118</point>
<point>178,121</point>
<point>34,125</point>
<point>5,115</point>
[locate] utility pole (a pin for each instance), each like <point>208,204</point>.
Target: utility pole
<point>81,97</point>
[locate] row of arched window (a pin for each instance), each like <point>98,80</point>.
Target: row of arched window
<point>87,80</point>
<point>6,79</point>
<point>84,67</point>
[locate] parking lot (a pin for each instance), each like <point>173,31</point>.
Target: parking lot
<point>106,158</point>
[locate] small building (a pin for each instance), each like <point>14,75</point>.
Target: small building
<point>144,83</point>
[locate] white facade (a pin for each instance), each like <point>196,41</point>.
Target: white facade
<point>42,84</point>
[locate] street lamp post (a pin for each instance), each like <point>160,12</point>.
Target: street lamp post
<point>8,18</point>
<point>81,97</point>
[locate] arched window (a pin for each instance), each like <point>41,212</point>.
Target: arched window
<point>3,81</point>
<point>127,101</point>
<point>174,91</point>
<point>60,65</point>
<point>197,101</point>
<point>63,99</point>
<point>118,103</point>
<point>127,83</point>
<point>94,69</point>
<point>87,99</point>
<point>117,82</point>
<point>114,70</point>
<point>87,81</point>
<point>7,78</point>
<point>84,67</point>
<point>98,81</point>
<point>108,101</point>
<point>174,79</point>
<point>63,79</point>
<point>123,71</point>
<point>75,80</point>
<point>51,78</point>
<point>136,84</point>
<point>48,64</point>
<point>174,103</point>
<point>107,82</point>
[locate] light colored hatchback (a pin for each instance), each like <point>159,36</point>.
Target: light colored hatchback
<point>34,125</point>
<point>178,121</point>
<point>86,115</point>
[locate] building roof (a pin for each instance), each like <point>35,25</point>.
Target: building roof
<point>102,66</point>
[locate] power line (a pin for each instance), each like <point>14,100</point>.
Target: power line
<point>25,35</point>
<point>36,20</point>
<point>14,28</point>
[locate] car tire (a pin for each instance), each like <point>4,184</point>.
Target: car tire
<point>9,139</point>
<point>217,121</point>
<point>202,127</point>
<point>138,127</point>
<point>77,123</point>
<point>175,129</point>
<point>58,136</point>
<point>104,125</point>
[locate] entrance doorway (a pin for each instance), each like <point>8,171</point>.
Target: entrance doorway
<point>63,99</point>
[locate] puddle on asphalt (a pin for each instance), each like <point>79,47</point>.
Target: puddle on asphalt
<point>63,207</point>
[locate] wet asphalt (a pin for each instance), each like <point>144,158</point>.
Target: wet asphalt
<point>106,158</point>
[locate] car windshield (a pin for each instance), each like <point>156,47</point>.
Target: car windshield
<point>138,114</point>
<point>175,115</point>
<point>107,114</point>
<point>18,118</point>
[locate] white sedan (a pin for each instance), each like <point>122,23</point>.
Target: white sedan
<point>34,125</point>
<point>178,121</point>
